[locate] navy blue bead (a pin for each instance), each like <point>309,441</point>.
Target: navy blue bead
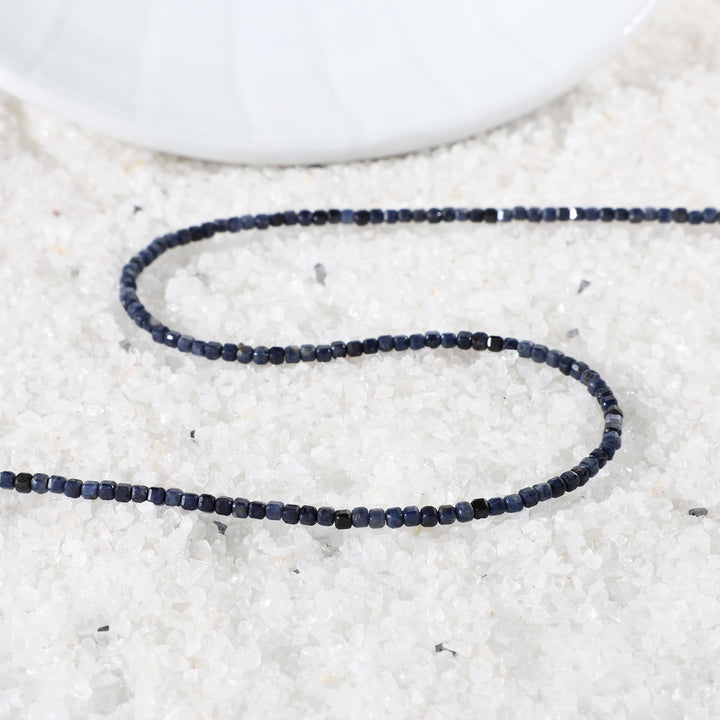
<point>480,508</point>
<point>197,347</point>
<point>276,355</point>
<point>256,510</point>
<point>601,456</point>
<point>354,348</point>
<point>229,352</point>
<point>680,215</point>
<point>7,480</point>
<point>563,214</point>
<point>464,340</point>
<point>448,340</point>
<point>325,516</point>
<point>39,483</point>
<point>577,369</point>
<point>323,353</point>
<point>419,215</point>
<point>23,482</point>
<point>622,214</point>
<point>429,516</point>
<point>56,484</point>
<point>319,217</point>
<point>290,217</point>
<point>156,495</point>
<point>549,214</point>
<point>391,217</point>
<point>405,215</point>
<point>333,216</point>
<point>476,215</point>
<point>495,343</point>
<point>123,492</point>
<point>343,519</point>
<point>206,503</point>
<point>189,501</point>
<point>247,222</point>
<point>607,214</point>
<point>490,215</point>
<point>479,341</point>
<point>376,518</point>
<point>308,515</point>
<point>304,218</point>
<point>529,497</point>
<point>262,221</point>
<point>510,343</point>
<point>277,219</point>
<point>664,215</point>
<point>636,215</point>
<point>552,358</point>
<point>73,488</point>
<point>158,333</point>
<point>360,517</point>
<point>376,216</point>
<point>432,339</point>
<point>184,343</point>
<point>347,216</point>
<point>543,490</point>
<point>538,353</point>
<point>519,213</point>
<point>434,215</point>
<point>362,217</point>
<point>695,217</point>
<point>513,503</point>
<point>597,384</point>
<point>496,506</point>
<point>525,348</point>
<point>591,464</point>
<point>464,511</point>
<point>583,475</point>
<point>394,517</point>
<point>171,338</point>
<point>401,342</point>
<point>370,346</point>
<point>90,490</point>
<point>223,505</point>
<point>106,490</point>
<point>139,493</point>
<point>462,214</point>
<point>173,497</point>
<point>571,480</point>
<point>339,349</point>
<point>213,350</point>
<point>234,224</point>
<point>651,214</point>
<point>417,341</point>
<point>557,486</point>
<point>385,343</point>
<point>448,214</point>
<point>260,355</point>
<point>292,354</point>
<point>612,440</point>
<point>240,507</point>
<point>291,514</point>
<point>446,515</point>
<point>579,213</point>
<point>411,516</point>
<point>592,214</point>
<point>588,376</point>
<point>534,214</point>
<point>710,215</point>
<point>565,363</point>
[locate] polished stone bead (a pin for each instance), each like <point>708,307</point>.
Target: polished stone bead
<point>90,491</point>
<point>158,333</point>
<point>429,516</point>
<point>304,218</point>
<point>464,511</point>
<point>206,503</point>
<point>197,348</point>
<point>480,508</point>
<point>347,216</point>
<point>323,353</point>
<point>405,215</point>
<point>189,501</point>
<point>276,355</point>
<point>385,343</point>
<point>291,514</point>
<point>476,215</point>
<point>510,343</point>
<point>256,510</point>
<point>448,340</point>
<point>277,219</point>
<point>543,490</point>
<point>292,354</point>
<point>680,215</point>
<point>156,495</point>
<point>651,214</point>
<point>325,516</point>
<point>370,346</point>
<point>7,480</point>
<point>234,225</point>
<point>23,482</point>
<point>529,497</point>
<point>73,488</point>
<point>525,348</point>
<point>591,464</point>
<point>333,216</point>
<point>592,214</point>
<point>462,214</point>
<point>565,363</point>
<point>710,215</point>
<point>612,440</point>
<point>636,215</point>
<point>534,214</point>
<point>223,505</point>
<point>419,215</point>
<point>664,215</point>
<point>583,475</point>
<point>173,497</point>
<point>411,516</point>
<point>538,353</point>
<point>496,506</point>
<point>376,518</point>
<point>106,489</point>
<point>571,480</point>
<point>184,343</point>
<point>273,510</point>
<point>260,355</point>
<point>247,222</point>
<point>549,214</point>
<point>308,515</point>
<point>391,217</point>
<point>622,214</point>
<point>362,217</point>
<point>557,486</point>
<point>39,483</point>
<point>245,353</point>
<point>595,385</point>
<point>446,515</point>
<point>307,353</point>
<point>613,422</point>
<point>577,369</point>
<point>434,215</point>
<point>360,517</point>
<point>601,456</point>
<point>213,350</point>
<point>354,348</point>
<point>519,213</point>
<point>171,338</point>
<point>240,507</point>
<point>319,217</point>
<point>490,215</point>
<point>695,217</point>
<point>479,341</point>
<point>552,358</point>
<point>513,503</point>
<point>495,343</point>
<point>563,214</point>
<point>417,341</point>
<point>338,348</point>
<point>377,216</point>
<point>464,340</point>
<point>401,342</point>
<point>229,352</point>
<point>343,519</point>
<point>290,217</point>
<point>56,484</point>
<point>394,517</point>
<point>432,339</point>
<point>607,214</point>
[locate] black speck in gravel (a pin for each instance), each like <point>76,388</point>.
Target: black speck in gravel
<point>320,273</point>
<point>440,647</point>
<point>221,526</point>
<point>192,434</point>
<point>136,209</point>
<point>573,332</point>
<point>103,628</point>
<point>698,512</point>
<point>583,285</point>
<point>125,344</point>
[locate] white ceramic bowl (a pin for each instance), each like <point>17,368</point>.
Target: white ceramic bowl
<point>302,81</point>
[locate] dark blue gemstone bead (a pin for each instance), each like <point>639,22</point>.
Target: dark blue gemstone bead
<point>405,215</point>
<point>557,486</point>
<point>464,511</point>
<point>651,214</point>
<point>23,482</point>
<point>432,339</point>
<point>538,353</point>
<point>343,519</point>
<point>385,343</point>
<point>229,352</point>
<point>394,517</point>
<point>183,236</point>
<point>448,214</point>
<point>577,369</point>
<point>7,480</point>
<point>277,219</point>
<point>290,217</point>
<point>206,503</point>
<point>563,214</point>
<point>304,218</point>
<point>664,215</point>
<point>434,215</point>
<point>446,515</point>
<point>401,342</point>
<point>529,497</point>
<point>73,488</point>
<point>496,506</point>
<point>333,216</point>
<point>171,338</point>
<point>325,516</point>
<point>476,215</point>
<point>490,215</point>
<point>360,517</point>
<point>376,518</point>
<point>173,496</point>
<point>370,346</point>
<point>429,516</point>
<point>525,348</point>
<point>495,343</point>
<point>579,213</point>
<point>391,217</point>
<point>583,475</point>
<point>448,340</point>
<point>185,343</point>
<point>543,490</point>
<point>106,490</point>
<point>262,221</point>
<point>592,214</point>
<point>308,515</point>
<point>571,480</point>
<point>513,503</point>
<point>695,217</point>
<point>156,495</point>
<point>319,217</point>
<point>240,507</point>
<point>276,355</point>
<point>607,214</point>
<point>139,493</point>
<point>247,222</point>
<point>197,347</point>
<point>39,483</point>
<point>519,213</point>
<point>534,214</point>
<point>510,343</point>
<point>376,216</point>
<point>256,510</point>
<point>622,214</point>
<point>636,215</point>
<point>91,489</point>
<point>612,440</point>
<point>223,505</point>
<point>565,363</point>
<point>213,350</point>
<point>339,349</point>
<point>56,484</point>
<point>347,216</point>
<point>595,385</point>
<point>417,341</point>
<point>158,333</point>
<point>419,215</point>
<point>462,214</point>
<point>123,492</point>
<point>588,376</point>
<point>591,464</point>
<point>680,215</point>
<point>292,354</point>
<point>601,456</point>
<point>710,215</point>
<point>411,516</point>
<point>189,501</point>
<point>479,341</point>
<point>260,355</point>
<point>354,348</point>
<point>552,358</point>
<point>291,514</point>
<point>323,353</point>
<point>362,217</point>
<point>464,340</point>
<point>549,215</point>
<point>480,508</point>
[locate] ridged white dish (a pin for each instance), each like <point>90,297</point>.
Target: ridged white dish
<point>302,81</point>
